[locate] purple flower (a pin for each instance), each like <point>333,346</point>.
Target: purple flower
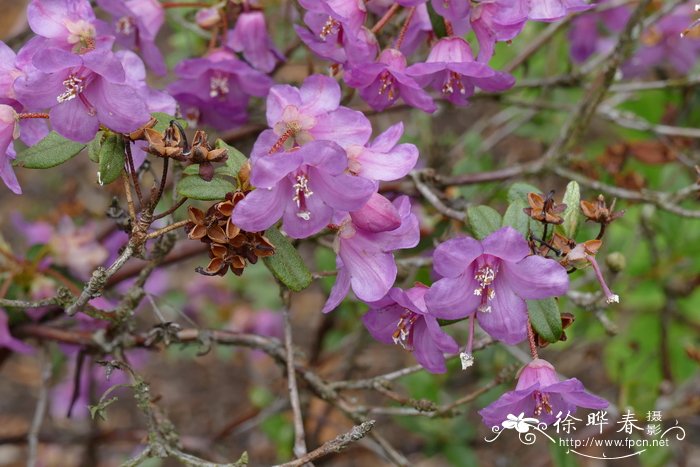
<point>402,318</point>
<point>493,276</point>
<point>304,186</point>
<point>384,82</point>
<point>364,247</point>
<point>6,339</point>
<point>9,131</point>
<point>8,71</point>
<point>451,69</point>
<point>215,90</point>
<point>68,24</point>
<point>383,159</point>
<point>137,23</point>
<point>497,21</point>
<point>312,112</point>
<point>83,92</point>
<point>329,40</point>
<point>250,37</point>
<point>453,11</point>
<point>539,393</point>
<point>554,10</point>
<point>662,44</point>
<point>584,33</point>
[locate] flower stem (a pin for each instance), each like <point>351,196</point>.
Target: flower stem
<point>386,18</point>
<point>26,115</point>
<point>404,28</point>
<point>531,339</point>
<point>448,29</point>
<point>167,229</point>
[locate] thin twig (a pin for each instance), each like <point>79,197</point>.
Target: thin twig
<point>39,411</point>
<point>299,435</point>
<point>167,228</point>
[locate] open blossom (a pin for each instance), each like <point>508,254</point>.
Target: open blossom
<point>136,23</point>
<point>304,187</point>
<point>402,318</point>
<point>492,278</point>
<point>68,24</point>
<point>312,112</point>
<point>82,92</point>
<point>9,131</point>
<point>366,239</point>
<point>383,159</point>
<point>250,37</point>
<point>554,10</point>
<point>382,83</point>
<point>540,394</point>
<point>215,89</point>
<point>450,68</point>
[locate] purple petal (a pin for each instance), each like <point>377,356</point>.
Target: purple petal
<point>443,341</point>
<point>453,257</point>
<point>535,277</point>
<point>507,320</point>
<point>340,288</point>
<point>319,94</point>
<point>378,215</point>
<point>381,322</point>
<point>71,120</point>
<point>386,141</point>
<point>507,244</point>
<point>320,216</point>
<point>512,402</point>
<point>372,272</point>
<point>281,96</point>
<point>325,156</point>
<point>452,298</point>
<point>262,208</point>
<point>343,192</point>
<point>268,170</point>
<point>119,107</point>
<point>343,126</point>
<point>425,349</point>
<point>53,59</point>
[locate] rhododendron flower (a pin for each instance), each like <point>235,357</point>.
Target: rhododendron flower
<point>312,112</point>
<point>9,131</point>
<point>384,82</point>
<point>83,92</point>
<point>584,33</point>
<point>402,318</point>
<point>250,37</point>
<point>214,90</point>
<point>366,239</point>
<point>493,278</point>
<point>451,69</point>
<point>304,186</point>
<point>8,71</point>
<point>662,43</point>
<point>383,159</point>
<point>453,11</point>
<point>540,394</point>
<point>137,23</point>
<point>68,24</point>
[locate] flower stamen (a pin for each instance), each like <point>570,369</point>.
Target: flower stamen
<point>403,335</point>
<point>301,193</point>
<point>218,86</point>
<point>74,86</point>
<point>328,28</point>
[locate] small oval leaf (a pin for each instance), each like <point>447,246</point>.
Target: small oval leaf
<point>545,318</point>
<point>111,158</point>
<point>483,221</point>
<point>572,198</point>
<point>520,190</point>
<point>194,187</point>
<point>51,151</point>
<point>235,160</point>
<point>286,264</point>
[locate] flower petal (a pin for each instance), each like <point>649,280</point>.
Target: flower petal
<point>372,272</point>
<point>343,192</point>
<point>452,297</point>
<point>381,322</point>
<point>507,320</point>
<point>261,208</point>
<point>453,257</point>
<point>425,350</point>
<point>340,289</point>
<point>507,244</point>
<point>535,277</point>
<point>319,94</point>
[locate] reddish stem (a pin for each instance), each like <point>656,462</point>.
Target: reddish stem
<point>531,338</point>
<point>386,18</point>
<point>25,115</point>
<point>448,28</point>
<point>404,28</point>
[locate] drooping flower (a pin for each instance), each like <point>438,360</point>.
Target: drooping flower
<point>82,92</point>
<point>312,112</point>
<point>304,186</point>
<point>364,245</point>
<point>9,131</point>
<point>383,159</point>
<point>492,278</point>
<point>402,318</point>
<point>250,37</point>
<point>215,90</point>
<point>450,68</point>
<point>382,83</point>
<point>540,393</point>
<point>136,23</point>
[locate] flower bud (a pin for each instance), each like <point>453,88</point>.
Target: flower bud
<point>378,215</point>
<point>207,18</point>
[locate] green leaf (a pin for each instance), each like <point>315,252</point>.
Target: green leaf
<point>195,188</point>
<point>545,318</point>
<point>572,198</point>
<point>516,218</point>
<point>111,158</point>
<point>222,171</point>
<point>520,190</point>
<point>483,221</point>
<point>94,147</point>
<point>437,22</point>
<point>235,160</point>
<point>286,264</point>
<point>51,151</point>
<point>164,121</point>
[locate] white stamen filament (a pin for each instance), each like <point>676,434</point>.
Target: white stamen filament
<point>218,85</point>
<point>301,193</point>
<point>125,25</point>
<point>485,277</point>
<point>74,86</point>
